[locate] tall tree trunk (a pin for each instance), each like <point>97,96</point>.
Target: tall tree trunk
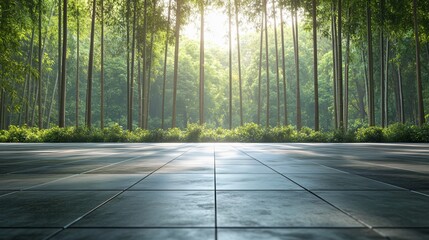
<point>371,112</point>
<point>128,12</point>
<point>237,24</point>
<point>315,72</point>
<point>165,65</point>
<point>2,109</point>
<point>277,64</point>
<point>90,69</point>
<point>176,60</point>
<point>39,97</point>
<point>60,58</point>
<point>420,109</point>
<point>202,63</point>
<point>346,73</point>
<point>283,66</point>
<point>340,67</point>
<point>260,68</point>
<point>147,108</point>
<point>334,63</point>
<point>27,84</point>
<point>230,63</point>
<point>62,113</point>
<point>33,112</point>
<point>386,84</point>
<point>133,51</point>
<point>54,91</point>
<point>401,95</point>
<point>102,67</point>
<point>382,66</point>
<point>296,50</point>
<point>77,68</point>
<point>346,82</point>
<point>145,83</point>
<point>267,66</point>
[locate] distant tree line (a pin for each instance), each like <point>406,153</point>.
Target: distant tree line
<point>324,64</point>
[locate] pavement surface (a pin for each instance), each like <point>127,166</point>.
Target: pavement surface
<point>214,191</point>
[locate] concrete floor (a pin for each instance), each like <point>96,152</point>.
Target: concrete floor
<point>214,191</point>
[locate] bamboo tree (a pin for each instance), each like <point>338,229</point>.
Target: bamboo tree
<point>296,50</point>
<point>39,97</point>
<point>62,113</point>
<point>77,66</point>
<point>59,52</point>
<point>371,111</point>
<point>133,42</point>
<point>346,73</point>
<point>176,60</point>
<point>267,65</point>
<point>90,69</point>
<point>277,63</point>
<point>315,73</point>
<point>420,109</point>
<point>237,24</point>
<point>102,67</point>
<point>201,92</point>
<point>165,64</point>
<point>145,83</point>
<point>340,67</point>
<point>334,63</point>
<point>382,67</point>
<point>230,63</point>
<point>128,12</point>
<point>150,60</point>
<point>283,66</point>
<point>260,68</point>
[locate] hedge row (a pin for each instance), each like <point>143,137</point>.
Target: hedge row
<point>195,133</point>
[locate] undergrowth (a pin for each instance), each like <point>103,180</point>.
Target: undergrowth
<point>250,132</point>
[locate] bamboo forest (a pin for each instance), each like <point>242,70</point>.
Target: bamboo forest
<point>318,65</point>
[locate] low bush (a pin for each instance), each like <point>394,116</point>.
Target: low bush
<point>249,132</point>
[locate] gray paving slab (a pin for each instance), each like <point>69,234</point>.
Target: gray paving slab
<point>155,209</point>
<point>382,208</point>
<point>254,182</point>
<point>243,169</point>
<point>404,233</point>
<point>338,181</point>
<point>176,182</point>
<point>187,168</point>
<point>128,168</point>
<point>27,233</point>
<point>181,201</point>
<point>23,181</point>
<point>237,162</point>
<point>48,208</point>
<point>277,209</point>
<point>298,234</point>
<point>303,168</point>
<point>136,234</point>
<point>94,182</point>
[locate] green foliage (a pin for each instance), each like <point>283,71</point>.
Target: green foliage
<point>370,134</point>
<point>250,132</point>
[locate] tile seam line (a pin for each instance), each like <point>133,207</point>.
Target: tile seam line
<point>113,197</point>
<point>312,193</point>
<point>215,190</point>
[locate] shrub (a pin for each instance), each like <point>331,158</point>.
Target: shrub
<point>280,134</point>
<point>249,132</point>
<point>370,134</point>
<point>399,132</point>
<point>193,133</point>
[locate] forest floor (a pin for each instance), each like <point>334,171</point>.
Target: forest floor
<point>214,191</point>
